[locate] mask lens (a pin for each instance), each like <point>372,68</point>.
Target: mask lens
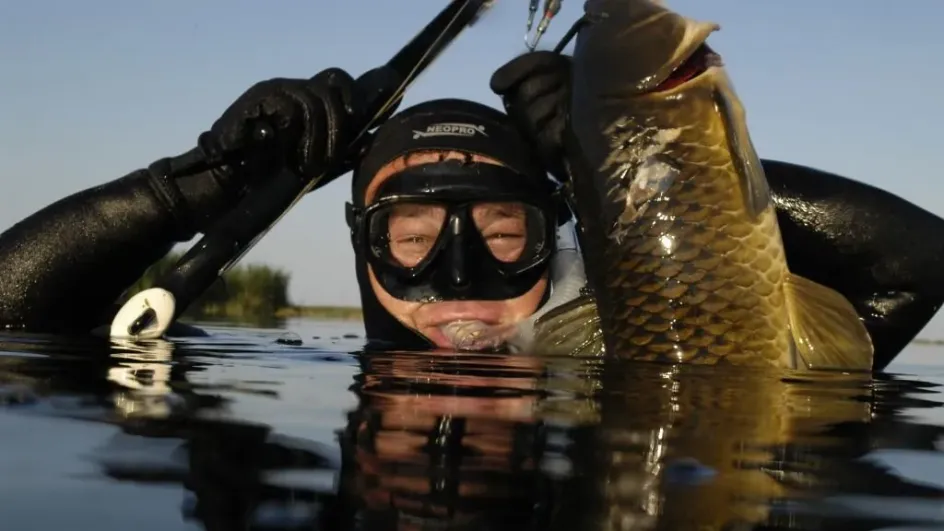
<point>408,234</point>
<point>513,231</point>
<point>404,234</point>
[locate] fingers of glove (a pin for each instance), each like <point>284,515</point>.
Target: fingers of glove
<point>509,75</point>
<point>317,115</point>
<point>319,143</point>
<point>521,67</point>
<point>341,86</point>
<point>547,133</point>
<point>539,103</point>
<point>542,115</point>
<point>263,101</point>
<point>333,77</point>
<point>312,118</point>
<point>539,113</point>
<point>343,105</point>
<point>538,88</point>
<point>297,111</point>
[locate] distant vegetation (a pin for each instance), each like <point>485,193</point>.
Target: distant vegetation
<point>247,292</point>
<point>925,341</point>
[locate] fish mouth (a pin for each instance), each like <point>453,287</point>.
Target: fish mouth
<point>696,64</point>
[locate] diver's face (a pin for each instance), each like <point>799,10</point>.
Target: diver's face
<point>499,219</point>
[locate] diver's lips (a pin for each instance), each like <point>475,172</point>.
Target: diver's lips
<point>432,316</point>
<point>450,311</point>
<point>695,65</point>
<point>485,317</point>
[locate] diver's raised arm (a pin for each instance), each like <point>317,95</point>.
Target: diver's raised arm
<point>65,265</point>
<point>880,251</point>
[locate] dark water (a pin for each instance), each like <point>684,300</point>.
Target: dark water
<point>239,431</point>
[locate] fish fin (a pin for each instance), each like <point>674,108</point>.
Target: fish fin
<point>571,329</point>
<point>753,180</point>
<point>827,331</point>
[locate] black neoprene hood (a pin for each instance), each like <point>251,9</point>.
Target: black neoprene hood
<point>448,124</point>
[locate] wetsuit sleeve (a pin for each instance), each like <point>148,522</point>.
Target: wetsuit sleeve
<point>884,254</point>
<point>65,266</point>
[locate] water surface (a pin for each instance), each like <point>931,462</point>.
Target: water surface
<point>256,429</point>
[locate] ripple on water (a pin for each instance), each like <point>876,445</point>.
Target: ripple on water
<point>269,429</point>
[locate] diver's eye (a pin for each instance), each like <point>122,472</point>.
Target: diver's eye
<point>412,240</point>
<point>410,249</point>
<point>412,230</point>
<point>506,246</point>
<point>503,225</point>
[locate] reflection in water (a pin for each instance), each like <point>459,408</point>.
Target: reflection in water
<point>452,442</point>
<point>492,442</point>
<point>686,447</point>
<point>143,372</point>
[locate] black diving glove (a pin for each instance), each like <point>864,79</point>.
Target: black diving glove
<point>535,90</point>
<point>301,125</point>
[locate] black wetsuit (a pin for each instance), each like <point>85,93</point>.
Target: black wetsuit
<point>66,265</point>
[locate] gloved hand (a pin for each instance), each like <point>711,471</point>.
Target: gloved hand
<point>535,90</point>
<point>308,125</point>
<point>311,119</point>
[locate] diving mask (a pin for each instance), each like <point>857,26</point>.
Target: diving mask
<point>457,231</point>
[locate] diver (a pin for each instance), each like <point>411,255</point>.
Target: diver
<point>453,215</point>
<point>453,219</point>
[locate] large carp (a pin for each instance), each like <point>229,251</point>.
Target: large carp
<point>683,251</point>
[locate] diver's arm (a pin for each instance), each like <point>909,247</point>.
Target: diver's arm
<point>884,254</point>
<point>65,265</point>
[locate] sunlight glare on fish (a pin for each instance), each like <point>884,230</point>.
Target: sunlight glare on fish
<point>669,374</point>
<point>667,241</point>
<point>679,356</point>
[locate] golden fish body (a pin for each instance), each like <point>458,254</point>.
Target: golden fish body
<point>683,249</point>
<point>694,276</point>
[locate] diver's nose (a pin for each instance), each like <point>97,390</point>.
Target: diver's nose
<point>458,274</point>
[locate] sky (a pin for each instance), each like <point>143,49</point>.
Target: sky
<point>93,90</point>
